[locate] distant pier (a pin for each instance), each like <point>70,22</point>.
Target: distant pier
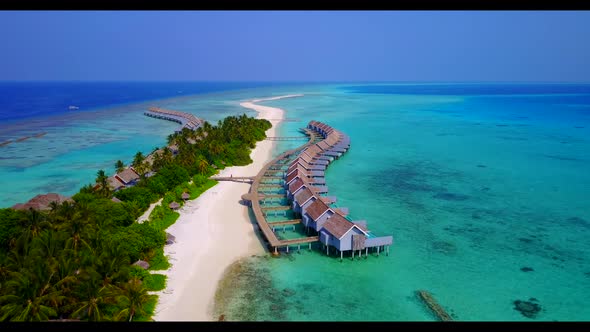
<point>186,120</point>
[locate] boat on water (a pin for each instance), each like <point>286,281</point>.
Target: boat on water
<point>72,107</point>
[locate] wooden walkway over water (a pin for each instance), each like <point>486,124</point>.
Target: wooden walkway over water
<point>285,222</point>
<point>286,138</point>
<point>241,179</point>
<point>265,226</point>
<point>186,120</point>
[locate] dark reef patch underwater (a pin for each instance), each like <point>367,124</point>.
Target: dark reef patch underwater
<point>529,308</point>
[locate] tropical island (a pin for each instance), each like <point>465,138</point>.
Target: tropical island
<point>94,256</point>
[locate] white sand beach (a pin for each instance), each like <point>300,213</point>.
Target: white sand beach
<point>212,232</point>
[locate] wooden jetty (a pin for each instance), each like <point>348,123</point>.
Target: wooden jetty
<point>270,186</point>
<point>436,308</point>
<point>6,142</point>
<point>186,120</point>
<point>276,208</point>
<point>285,222</point>
<point>286,138</point>
<point>263,224</point>
<point>241,179</point>
<point>270,196</point>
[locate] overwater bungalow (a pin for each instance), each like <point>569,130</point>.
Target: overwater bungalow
<point>316,214</point>
<point>297,173</point>
<point>343,234</point>
<point>323,145</point>
<point>301,200</point>
<point>305,198</point>
<point>299,184</point>
<point>302,170</point>
<point>300,161</point>
<point>293,176</point>
<point>311,158</point>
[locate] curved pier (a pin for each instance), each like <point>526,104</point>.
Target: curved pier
<point>186,120</point>
<point>269,234</point>
<point>299,173</point>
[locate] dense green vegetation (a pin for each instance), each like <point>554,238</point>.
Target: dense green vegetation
<point>75,260</point>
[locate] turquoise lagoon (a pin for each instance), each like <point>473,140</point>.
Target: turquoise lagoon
<point>474,187</point>
<point>475,183</point>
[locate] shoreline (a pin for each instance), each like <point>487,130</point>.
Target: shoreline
<point>212,232</point>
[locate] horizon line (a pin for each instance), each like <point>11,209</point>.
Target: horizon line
<point>293,81</point>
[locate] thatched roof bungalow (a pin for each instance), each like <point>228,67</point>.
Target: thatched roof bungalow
<point>42,202</point>
<point>114,183</point>
<point>128,177</point>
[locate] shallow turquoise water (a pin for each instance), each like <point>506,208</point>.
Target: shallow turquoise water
<point>78,144</point>
<point>473,188</point>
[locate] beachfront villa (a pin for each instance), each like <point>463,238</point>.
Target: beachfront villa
<point>128,177</point>
<point>124,179</point>
<point>114,183</point>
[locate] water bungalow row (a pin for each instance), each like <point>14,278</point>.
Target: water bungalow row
<point>306,190</point>
<point>186,120</point>
<point>301,182</point>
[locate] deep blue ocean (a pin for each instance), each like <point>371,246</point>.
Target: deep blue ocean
<point>21,100</point>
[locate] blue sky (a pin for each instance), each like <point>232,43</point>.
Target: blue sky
<point>296,45</point>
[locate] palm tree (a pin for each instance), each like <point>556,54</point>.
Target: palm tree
<point>17,310</point>
<point>202,165</point>
<point>48,246</point>
<point>167,156</point>
<point>35,222</point>
<point>27,300</point>
<point>120,166</point>
<point>133,297</point>
<point>170,139</point>
<point>141,169</point>
<point>102,180</point>
<point>93,298</point>
<point>78,226</point>
<point>112,263</point>
<point>65,212</point>
<point>138,159</point>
